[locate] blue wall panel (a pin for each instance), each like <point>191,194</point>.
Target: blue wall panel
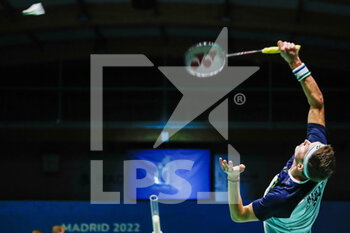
<point>24,216</point>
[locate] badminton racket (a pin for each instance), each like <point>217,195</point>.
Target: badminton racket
<point>207,59</point>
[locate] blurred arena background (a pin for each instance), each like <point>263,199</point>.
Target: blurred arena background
<point>45,105</point>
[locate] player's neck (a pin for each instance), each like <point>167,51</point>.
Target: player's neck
<point>299,176</point>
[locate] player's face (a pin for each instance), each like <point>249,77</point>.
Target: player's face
<point>302,149</point>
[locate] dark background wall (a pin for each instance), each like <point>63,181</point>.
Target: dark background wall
<point>45,101</point>
<point>46,112</point>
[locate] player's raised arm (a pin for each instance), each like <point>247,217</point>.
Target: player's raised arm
<point>313,94</point>
<point>238,212</point>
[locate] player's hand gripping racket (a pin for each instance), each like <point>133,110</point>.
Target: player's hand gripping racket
<point>207,59</point>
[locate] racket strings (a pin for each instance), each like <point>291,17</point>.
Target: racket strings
<point>204,59</point>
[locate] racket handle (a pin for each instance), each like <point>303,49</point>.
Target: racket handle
<point>275,49</point>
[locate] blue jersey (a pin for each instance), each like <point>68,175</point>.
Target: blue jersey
<point>289,205</point>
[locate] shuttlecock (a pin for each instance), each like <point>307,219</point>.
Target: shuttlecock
<point>35,9</point>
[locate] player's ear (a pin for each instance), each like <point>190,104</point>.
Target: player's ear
<point>300,167</point>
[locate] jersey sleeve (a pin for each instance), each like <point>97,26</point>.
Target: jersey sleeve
<point>316,133</point>
<point>273,204</point>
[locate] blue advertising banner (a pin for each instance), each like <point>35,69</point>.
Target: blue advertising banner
<point>24,216</point>
<point>177,174</point>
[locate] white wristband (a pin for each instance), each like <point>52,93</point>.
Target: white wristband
<point>301,72</point>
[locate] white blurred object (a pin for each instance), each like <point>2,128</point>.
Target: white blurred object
<point>156,224</point>
<point>35,9</point>
<point>155,214</point>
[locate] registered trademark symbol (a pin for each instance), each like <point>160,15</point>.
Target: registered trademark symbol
<point>239,99</point>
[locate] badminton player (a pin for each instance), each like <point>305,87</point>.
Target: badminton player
<point>292,200</point>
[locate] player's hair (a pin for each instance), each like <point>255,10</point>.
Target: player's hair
<point>57,229</point>
<point>322,163</point>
